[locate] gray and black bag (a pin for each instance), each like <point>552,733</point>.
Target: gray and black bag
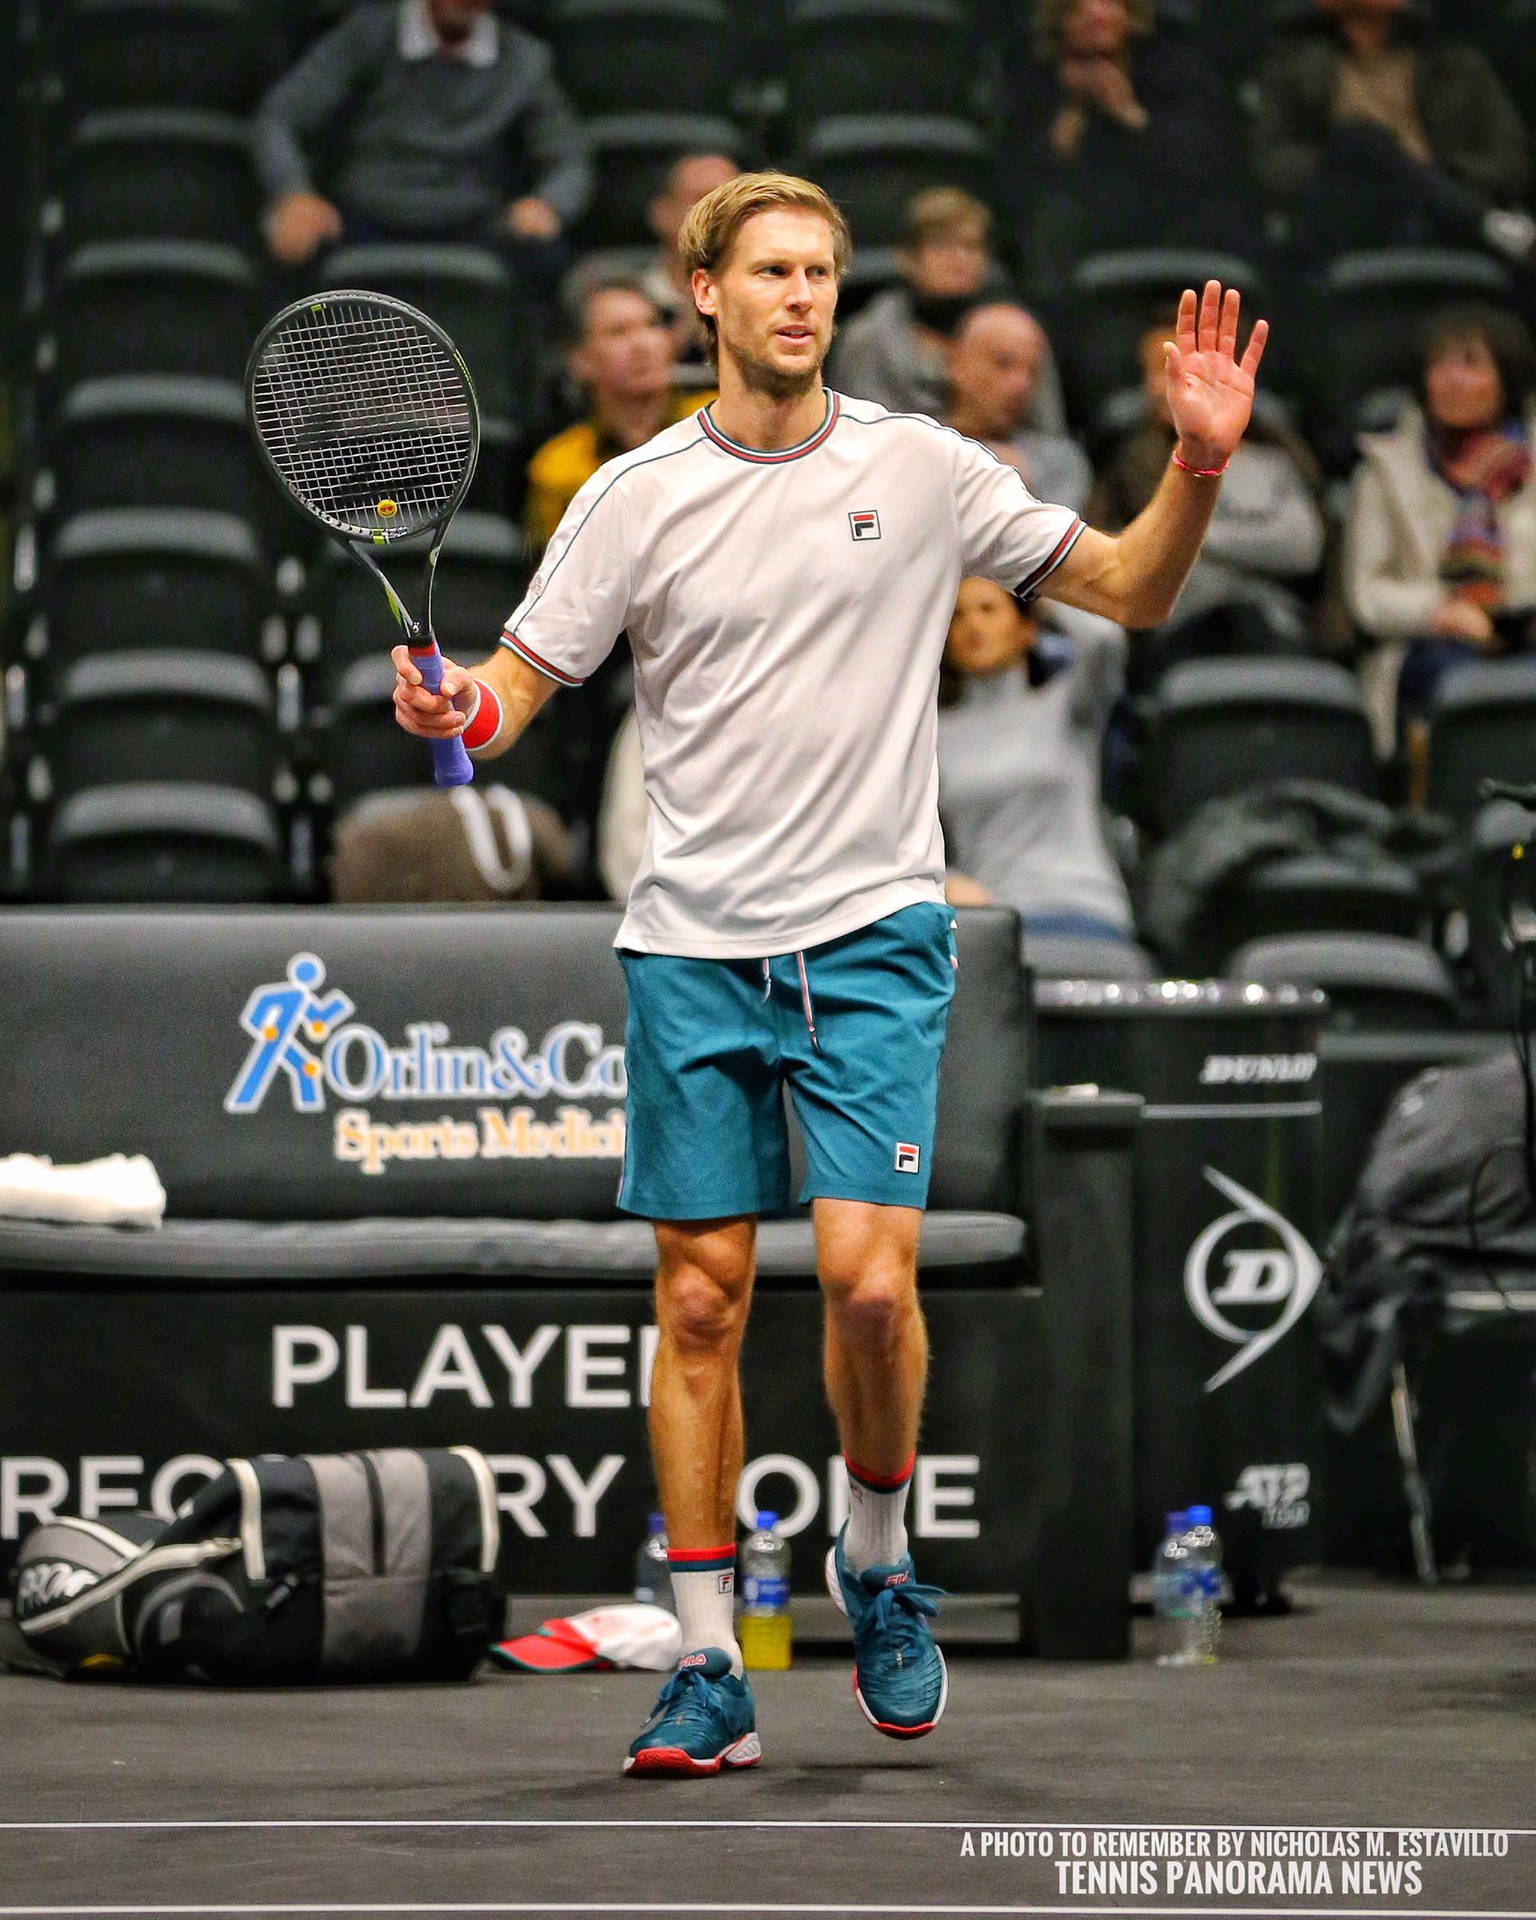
<point>321,1567</point>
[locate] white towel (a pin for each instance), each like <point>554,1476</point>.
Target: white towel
<point>122,1190</point>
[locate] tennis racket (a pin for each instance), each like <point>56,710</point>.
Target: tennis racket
<point>366,416</point>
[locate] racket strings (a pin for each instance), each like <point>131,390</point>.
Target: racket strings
<point>357,406</point>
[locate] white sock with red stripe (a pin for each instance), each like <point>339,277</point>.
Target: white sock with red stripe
<point>704,1595</point>
<point>877,1506</point>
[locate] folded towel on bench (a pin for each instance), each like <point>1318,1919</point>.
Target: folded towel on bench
<point>120,1190</point>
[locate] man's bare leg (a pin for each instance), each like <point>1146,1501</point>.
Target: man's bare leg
<point>875,1363</point>
<point>703,1289</point>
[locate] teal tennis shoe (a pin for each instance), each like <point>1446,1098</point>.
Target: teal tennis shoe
<point>899,1677</point>
<point>704,1719</point>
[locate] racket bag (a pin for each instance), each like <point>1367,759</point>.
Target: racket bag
<point>319,1567</point>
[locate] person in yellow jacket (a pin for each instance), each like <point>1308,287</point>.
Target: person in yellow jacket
<point>622,356</point>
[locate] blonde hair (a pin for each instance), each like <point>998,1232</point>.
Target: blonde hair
<point>939,212</point>
<point>1048,16</point>
<point>712,223</point>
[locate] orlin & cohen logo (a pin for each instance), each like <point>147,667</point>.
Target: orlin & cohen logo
<point>306,1037</point>
<point>1282,1278</point>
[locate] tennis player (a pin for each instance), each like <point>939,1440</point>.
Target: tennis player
<point>785,565</point>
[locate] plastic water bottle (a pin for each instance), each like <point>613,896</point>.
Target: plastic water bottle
<point>653,1576</point>
<point>1199,1592</point>
<point>763,1628</point>
<point>1166,1563</point>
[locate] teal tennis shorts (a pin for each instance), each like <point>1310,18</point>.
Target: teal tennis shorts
<point>853,1028</point>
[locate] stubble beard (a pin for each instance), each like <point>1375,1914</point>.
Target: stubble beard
<point>774,382</point>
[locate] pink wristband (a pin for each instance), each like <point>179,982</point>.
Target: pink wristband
<point>1200,473</point>
<point>485,722</point>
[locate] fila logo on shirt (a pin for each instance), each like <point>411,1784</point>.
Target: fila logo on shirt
<point>864,526</point>
<point>907,1157</point>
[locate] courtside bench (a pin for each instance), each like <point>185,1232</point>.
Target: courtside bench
<point>391,1142</point>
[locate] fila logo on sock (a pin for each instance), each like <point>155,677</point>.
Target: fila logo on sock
<point>864,526</point>
<point>725,1583</point>
<point>907,1157</point>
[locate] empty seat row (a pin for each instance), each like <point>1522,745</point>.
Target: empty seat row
<point>1220,724</point>
<point>194,307</point>
<point>611,55</point>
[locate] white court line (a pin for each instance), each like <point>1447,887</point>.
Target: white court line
<point>976,1825</point>
<point>715,1906</point>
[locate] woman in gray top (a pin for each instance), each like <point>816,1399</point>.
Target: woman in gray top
<point>1019,768</point>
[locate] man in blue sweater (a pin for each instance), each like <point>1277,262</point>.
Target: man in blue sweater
<point>437,120</point>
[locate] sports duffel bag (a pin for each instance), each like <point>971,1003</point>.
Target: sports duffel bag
<point>344,1566</point>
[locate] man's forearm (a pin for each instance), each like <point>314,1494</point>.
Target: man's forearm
<point>1134,577</point>
<point>1151,559</point>
<point>518,692</point>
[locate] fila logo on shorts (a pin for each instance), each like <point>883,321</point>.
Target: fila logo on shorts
<point>865,526</point>
<point>906,1157</point>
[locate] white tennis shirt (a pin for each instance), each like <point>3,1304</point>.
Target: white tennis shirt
<point>787,613</point>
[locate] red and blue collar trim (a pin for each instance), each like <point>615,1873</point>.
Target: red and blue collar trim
<point>755,454</point>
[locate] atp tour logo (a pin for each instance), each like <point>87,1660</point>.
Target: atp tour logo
<point>305,1036</point>
<point>1255,1278</point>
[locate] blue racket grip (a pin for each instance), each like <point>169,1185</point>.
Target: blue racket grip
<point>451,765</point>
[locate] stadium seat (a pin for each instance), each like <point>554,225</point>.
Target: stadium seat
<point>482,575</point>
<point>153,306</point>
<point>1057,956</point>
<point>156,578</point>
<point>121,718</point>
<point>171,842</point>
<point>159,53</point>
<point>159,173</point>
<point>632,152</point>
<point>1316,893</point>
<point>1371,311</point>
<point>878,56</point>
<point>467,291</point>
<point>156,440</point>
<point>1482,726</point>
<point>872,165</point>
<point>1372,980</point>
<point>1116,297</point>
<point>1221,725</point>
<point>628,56</point>
<point>1495,830</point>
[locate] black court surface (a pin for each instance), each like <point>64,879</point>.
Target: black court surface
<point>1370,1706</point>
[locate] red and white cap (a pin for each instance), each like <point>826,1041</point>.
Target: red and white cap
<point>626,1635</point>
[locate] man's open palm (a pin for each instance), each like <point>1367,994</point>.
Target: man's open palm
<point>1210,391</point>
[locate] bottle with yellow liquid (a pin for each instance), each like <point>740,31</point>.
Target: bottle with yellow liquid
<point>763,1628</point>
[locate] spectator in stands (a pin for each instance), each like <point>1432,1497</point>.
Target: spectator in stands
<point>1019,768</point>
<point>431,119</point>
<point>621,357</point>
<point>1115,122</point>
<point>1440,544</point>
<point>995,363</point>
<point>1378,133</point>
<point>896,351</point>
<point>689,178</point>
<point>1267,532</point>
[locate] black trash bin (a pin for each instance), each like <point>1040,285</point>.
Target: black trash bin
<point>1228,1392</point>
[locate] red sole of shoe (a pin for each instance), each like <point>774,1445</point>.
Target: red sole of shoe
<point>664,1761</point>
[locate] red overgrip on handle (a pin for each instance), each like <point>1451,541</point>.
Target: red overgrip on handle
<point>451,765</point>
